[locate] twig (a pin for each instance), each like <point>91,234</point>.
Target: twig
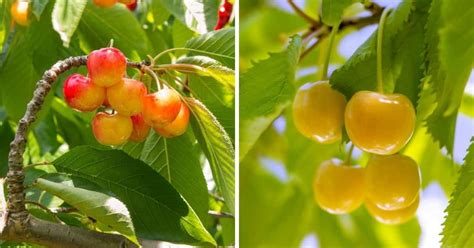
<point>313,22</point>
<point>324,31</point>
<point>217,198</point>
<point>220,215</point>
<point>64,210</point>
<point>45,209</point>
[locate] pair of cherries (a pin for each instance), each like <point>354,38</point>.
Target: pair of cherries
<point>381,124</point>
<point>134,111</point>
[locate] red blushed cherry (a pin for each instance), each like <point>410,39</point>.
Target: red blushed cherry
<point>82,95</point>
<point>106,66</point>
<point>161,107</point>
<point>133,6</point>
<point>111,129</point>
<point>104,3</point>
<point>127,96</point>
<point>140,129</point>
<point>178,126</point>
<point>224,13</point>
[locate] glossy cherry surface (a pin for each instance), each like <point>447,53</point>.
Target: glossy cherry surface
<point>161,108</point>
<point>339,188</point>
<point>106,66</point>
<point>81,94</point>
<point>393,181</point>
<point>19,11</point>
<point>318,112</point>
<point>379,123</point>
<point>126,97</point>
<point>140,129</point>
<point>393,217</point>
<point>178,126</point>
<point>111,129</point>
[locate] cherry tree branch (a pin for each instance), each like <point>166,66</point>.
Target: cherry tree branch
<point>17,223</point>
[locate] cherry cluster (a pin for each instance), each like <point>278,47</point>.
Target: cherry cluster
<point>377,123</point>
<point>130,111</point>
<point>224,12</point>
<point>131,4</point>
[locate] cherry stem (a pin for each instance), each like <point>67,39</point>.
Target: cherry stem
<point>349,155</point>
<point>159,85</point>
<point>36,164</point>
<point>45,209</point>
<point>328,52</point>
<point>111,43</point>
<point>379,49</point>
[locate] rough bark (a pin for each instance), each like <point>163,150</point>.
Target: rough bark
<point>18,224</point>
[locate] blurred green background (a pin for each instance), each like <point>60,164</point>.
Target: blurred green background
<point>277,208</point>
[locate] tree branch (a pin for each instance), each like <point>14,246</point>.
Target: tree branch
<point>314,23</point>
<point>63,236</point>
<point>17,223</point>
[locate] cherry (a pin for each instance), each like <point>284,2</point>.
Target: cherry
<point>339,188</point>
<point>126,96</point>
<point>161,107</point>
<point>394,216</point>
<point>132,6</point>
<point>106,66</point>
<point>318,112</point>
<point>111,129</point>
<point>19,11</point>
<point>178,126</point>
<point>104,3</point>
<point>379,123</point>
<point>224,12</point>
<point>140,129</point>
<point>81,94</point>
<point>393,181</point>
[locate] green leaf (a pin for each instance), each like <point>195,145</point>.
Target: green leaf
<point>7,135</point>
<point>103,208</point>
<point>219,45</point>
<point>46,134</point>
<point>198,15</point>
<point>66,17</point>
<point>160,14</point>
<point>38,7</point>
<point>218,98</point>
<point>181,33</point>
<point>331,11</point>
<point>98,26</point>
<point>217,147</point>
<point>450,49</point>
<point>458,226</point>
<point>149,198</point>
<point>31,52</point>
<point>209,67</point>
<point>359,72</point>
<point>177,162</point>
<point>265,90</point>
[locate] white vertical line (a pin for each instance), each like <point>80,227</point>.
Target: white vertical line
<point>237,129</point>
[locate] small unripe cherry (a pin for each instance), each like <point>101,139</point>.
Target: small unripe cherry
<point>126,97</point>
<point>19,12</point>
<point>318,112</point>
<point>393,181</point>
<point>104,3</point>
<point>111,129</point>
<point>106,66</point>
<point>339,188</point>
<point>379,123</point>
<point>161,108</point>
<point>81,94</point>
<point>140,129</point>
<point>178,126</point>
<point>393,217</point>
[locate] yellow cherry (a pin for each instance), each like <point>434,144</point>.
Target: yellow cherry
<point>318,112</point>
<point>379,123</point>
<point>339,188</point>
<point>393,216</point>
<point>393,181</point>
